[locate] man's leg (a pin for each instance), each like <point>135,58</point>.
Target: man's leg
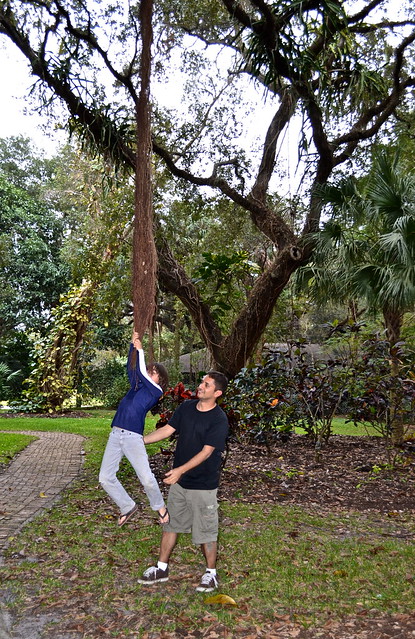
<point>210,551</point>
<point>168,542</point>
<point>205,526</point>
<point>176,504</point>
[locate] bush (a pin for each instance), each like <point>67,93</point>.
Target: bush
<point>253,403</point>
<point>383,392</point>
<point>115,392</point>
<point>108,382</point>
<point>6,380</point>
<point>15,353</point>
<point>168,403</point>
<point>290,390</point>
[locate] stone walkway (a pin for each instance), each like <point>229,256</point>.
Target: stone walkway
<point>35,478</point>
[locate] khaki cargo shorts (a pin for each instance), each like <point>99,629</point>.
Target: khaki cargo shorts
<point>194,511</point>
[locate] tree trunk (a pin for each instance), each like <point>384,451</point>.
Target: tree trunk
<point>230,353</point>
<point>144,251</point>
<point>393,323</point>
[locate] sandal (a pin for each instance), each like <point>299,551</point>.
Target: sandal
<point>163,516</point>
<point>122,519</point>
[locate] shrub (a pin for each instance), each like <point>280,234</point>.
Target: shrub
<point>168,403</point>
<point>290,390</point>
<point>382,394</point>
<point>108,382</point>
<point>6,378</point>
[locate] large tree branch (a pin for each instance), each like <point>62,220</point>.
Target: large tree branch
<point>89,38</point>
<point>266,220</point>
<point>174,278</point>
<point>230,353</point>
<point>278,123</point>
<point>379,113</point>
<point>240,343</point>
<point>94,122</point>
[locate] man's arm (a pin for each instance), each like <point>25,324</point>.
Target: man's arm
<point>159,434</point>
<point>173,476</point>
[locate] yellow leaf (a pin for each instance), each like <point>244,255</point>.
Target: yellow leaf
<point>42,495</point>
<point>221,599</point>
<point>340,573</point>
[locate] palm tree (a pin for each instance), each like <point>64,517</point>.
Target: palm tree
<point>366,250</point>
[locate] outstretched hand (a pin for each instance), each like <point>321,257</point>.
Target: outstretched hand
<point>136,341</point>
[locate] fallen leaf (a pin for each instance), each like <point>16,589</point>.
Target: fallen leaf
<point>42,495</point>
<point>225,600</point>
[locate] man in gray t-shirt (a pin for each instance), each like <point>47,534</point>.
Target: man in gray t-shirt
<point>202,428</point>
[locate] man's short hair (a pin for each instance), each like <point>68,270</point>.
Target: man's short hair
<point>221,381</point>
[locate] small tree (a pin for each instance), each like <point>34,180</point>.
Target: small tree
<point>290,390</point>
<point>379,396</point>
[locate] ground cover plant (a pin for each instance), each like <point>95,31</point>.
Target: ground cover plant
<point>303,549</point>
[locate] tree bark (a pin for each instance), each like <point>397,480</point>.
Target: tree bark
<point>144,250</point>
<point>393,323</point>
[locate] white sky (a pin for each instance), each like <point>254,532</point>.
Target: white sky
<point>16,116</point>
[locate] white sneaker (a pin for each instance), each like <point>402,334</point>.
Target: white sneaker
<point>208,583</point>
<point>154,575</point>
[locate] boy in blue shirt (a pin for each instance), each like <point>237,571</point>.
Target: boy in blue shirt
<point>126,437</point>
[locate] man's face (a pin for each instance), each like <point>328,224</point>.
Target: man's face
<point>206,389</point>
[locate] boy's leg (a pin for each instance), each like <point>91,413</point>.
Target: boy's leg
<point>135,451</point>
<point>108,472</point>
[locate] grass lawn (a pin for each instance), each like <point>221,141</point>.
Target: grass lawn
<point>272,560</point>
<point>11,444</point>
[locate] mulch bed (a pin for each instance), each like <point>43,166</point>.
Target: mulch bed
<point>353,473</point>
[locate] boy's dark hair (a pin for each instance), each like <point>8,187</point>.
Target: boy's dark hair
<point>163,374</point>
<point>221,381</point>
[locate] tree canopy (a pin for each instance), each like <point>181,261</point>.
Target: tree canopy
<point>366,249</point>
<point>343,74</point>
<point>32,274</point>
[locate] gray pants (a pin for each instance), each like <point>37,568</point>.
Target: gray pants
<point>124,443</point>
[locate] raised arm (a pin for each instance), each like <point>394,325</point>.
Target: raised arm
<point>136,341</point>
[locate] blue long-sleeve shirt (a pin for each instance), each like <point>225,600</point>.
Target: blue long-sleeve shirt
<point>142,396</point>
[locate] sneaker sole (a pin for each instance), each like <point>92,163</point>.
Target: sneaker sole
<point>156,581</point>
<point>199,589</point>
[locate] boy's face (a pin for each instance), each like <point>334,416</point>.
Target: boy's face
<point>154,375</point>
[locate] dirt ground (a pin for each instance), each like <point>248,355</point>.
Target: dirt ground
<point>354,474</point>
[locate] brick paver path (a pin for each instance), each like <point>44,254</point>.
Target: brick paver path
<point>34,479</point>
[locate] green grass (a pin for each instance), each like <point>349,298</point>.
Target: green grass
<point>340,427</point>
<point>272,559</point>
<point>96,429</point>
<point>11,444</point>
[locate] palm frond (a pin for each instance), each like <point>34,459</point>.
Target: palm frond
<point>399,244</point>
